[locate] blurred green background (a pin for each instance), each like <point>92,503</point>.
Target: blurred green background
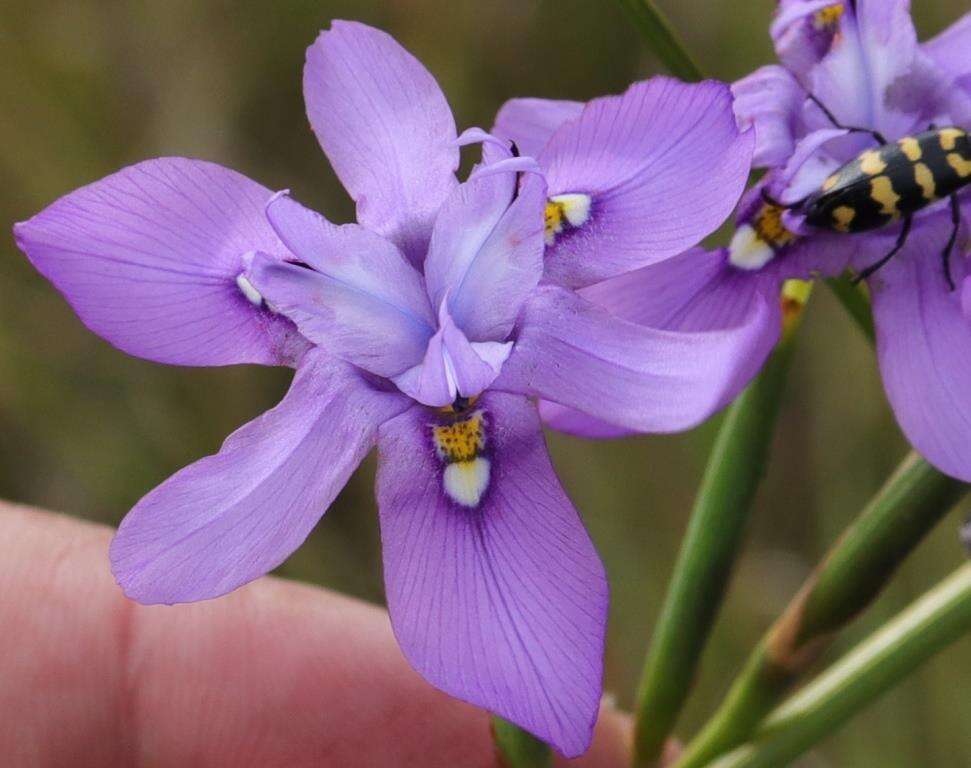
<point>89,86</point>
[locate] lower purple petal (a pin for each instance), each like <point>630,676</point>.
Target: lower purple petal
<point>577,354</point>
<point>149,258</point>
<point>501,602</point>
<point>924,346</point>
<point>236,515</point>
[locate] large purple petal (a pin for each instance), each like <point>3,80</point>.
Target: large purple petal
<point>924,346</point>
<point>531,122</point>
<point>577,354</point>
<point>149,258</point>
<point>694,291</point>
<point>770,99</point>
<point>639,157</point>
<point>386,128</point>
<point>359,298</point>
<point>234,516</point>
<point>486,253</point>
<point>500,598</point>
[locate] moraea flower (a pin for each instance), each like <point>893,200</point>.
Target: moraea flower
<point>425,328</point>
<point>861,62</point>
<point>634,181</point>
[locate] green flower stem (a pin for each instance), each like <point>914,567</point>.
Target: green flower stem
<point>710,548</point>
<point>662,39</point>
<point>929,625</point>
<point>859,565</point>
<point>518,749</point>
<point>855,302</point>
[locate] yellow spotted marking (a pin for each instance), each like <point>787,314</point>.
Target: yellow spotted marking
<point>960,165</point>
<point>871,163</point>
<point>925,180</point>
<point>459,445</point>
<point>461,440</point>
<point>911,148</point>
<point>828,17</point>
<point>769,227</point>
<point>882,191</point>
<point>553,221</point>
<point>830,182</point>
<point>949,138</point>
<point>843,217</point>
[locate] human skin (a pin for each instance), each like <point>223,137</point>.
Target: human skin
<point>274,674</point>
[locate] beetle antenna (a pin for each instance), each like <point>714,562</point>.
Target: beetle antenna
<point>877,136</point>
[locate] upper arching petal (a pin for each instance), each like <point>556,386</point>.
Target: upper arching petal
<point>486,252</point>
<point>661,166</point>
<point>353,292</point>
<point>875,74</point>
<point>236,515</point>
<point>386,128</point>
<point>924,347</point>
<point>496,593</point>
<point>576,353</point>
<point>694,291</point>
<point>532,122</point>
<point>770,100</point>
<point>149,258</point>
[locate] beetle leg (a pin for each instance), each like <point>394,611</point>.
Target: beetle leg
<point>900,244</point>
<point>946,256</point>
<point>877,136</point>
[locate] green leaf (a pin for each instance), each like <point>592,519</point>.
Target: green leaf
<point>929,625</point>
<point>856,569</point>
<point>661,38</point>
<point>712,543</point>
<point>517,748</point>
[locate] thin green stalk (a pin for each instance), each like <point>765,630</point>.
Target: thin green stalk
<point>855,302</point>
<point>662,39</point>
<point>518,749</point>
<point>929,625</point>
<point>710,548</point>
<point>913,500</point>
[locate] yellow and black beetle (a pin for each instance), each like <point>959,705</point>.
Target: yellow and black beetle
<point>891,182</point>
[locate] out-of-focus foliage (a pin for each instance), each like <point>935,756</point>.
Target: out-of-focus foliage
<point>87,86</point>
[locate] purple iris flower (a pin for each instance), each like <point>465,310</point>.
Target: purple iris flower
<point>428,329</point>
<point>862,62</point>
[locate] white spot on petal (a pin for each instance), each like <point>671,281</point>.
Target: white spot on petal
<point>466,481</point>
<point>248,290</point>
<point>749,251</point>
<point>576,208</point>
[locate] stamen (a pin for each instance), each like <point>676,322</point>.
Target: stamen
<point>459,445</point>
